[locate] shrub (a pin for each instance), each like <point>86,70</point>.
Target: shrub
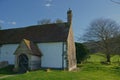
<point>81,52</point>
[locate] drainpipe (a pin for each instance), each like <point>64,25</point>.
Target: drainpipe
<point>0,51</point>
<point>63,55</point>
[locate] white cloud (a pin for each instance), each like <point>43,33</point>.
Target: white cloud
<point>6,22</point>
<point>13,23</point>
<point>1,21</point>
<point>48,5</point>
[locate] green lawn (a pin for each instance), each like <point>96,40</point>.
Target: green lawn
<point>88,71</point>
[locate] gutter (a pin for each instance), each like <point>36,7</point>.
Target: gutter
<point>63,56</point>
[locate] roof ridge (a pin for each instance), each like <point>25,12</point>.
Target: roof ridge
<point>33,26</point>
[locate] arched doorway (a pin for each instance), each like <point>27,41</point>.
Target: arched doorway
<point>23,63</point>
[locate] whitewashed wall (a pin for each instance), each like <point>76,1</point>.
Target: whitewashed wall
<point>52,54</point>
<point>7,52</point>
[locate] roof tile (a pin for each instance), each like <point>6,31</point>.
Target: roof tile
<point>57,32</point>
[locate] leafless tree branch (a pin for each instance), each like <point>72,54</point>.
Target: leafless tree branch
<point>114,1</point>
<point>104,33</point>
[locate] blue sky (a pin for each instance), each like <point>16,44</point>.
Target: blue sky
<point>22,13</point>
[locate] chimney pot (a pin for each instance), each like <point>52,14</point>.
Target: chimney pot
<point>69,16</point>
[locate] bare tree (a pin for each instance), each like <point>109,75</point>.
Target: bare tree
<point>44,21</point>
<point>115,1</point>
<point>104,32</point>
<point>58,21</point>
<point>48,21</point>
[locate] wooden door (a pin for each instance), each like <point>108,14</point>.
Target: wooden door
<point>23,63</point>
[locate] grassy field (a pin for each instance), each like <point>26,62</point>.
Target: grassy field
<point>89,71</point>
<point>101,57</point>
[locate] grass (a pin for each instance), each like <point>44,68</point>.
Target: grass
<point>115,58</point>
<point>88,71</point>
<point>96,58</point>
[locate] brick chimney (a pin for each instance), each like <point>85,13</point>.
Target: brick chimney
<point>69,16</point>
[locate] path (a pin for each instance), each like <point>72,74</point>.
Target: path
<point>6,76</point>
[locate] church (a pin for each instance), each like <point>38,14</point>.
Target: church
<point>39,46</point>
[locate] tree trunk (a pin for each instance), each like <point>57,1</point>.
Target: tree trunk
<point>108,58</point>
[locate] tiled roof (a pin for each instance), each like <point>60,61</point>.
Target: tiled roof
<point>57,32</point>
<point>32,47</point>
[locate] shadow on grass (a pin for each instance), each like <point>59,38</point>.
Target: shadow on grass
<point>7,70</point>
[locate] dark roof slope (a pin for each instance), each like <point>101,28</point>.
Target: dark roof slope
<point>37,33</point>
